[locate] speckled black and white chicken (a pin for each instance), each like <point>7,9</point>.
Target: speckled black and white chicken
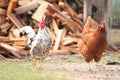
<point>39,43</point>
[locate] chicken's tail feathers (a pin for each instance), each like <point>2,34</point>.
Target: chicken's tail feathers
<point>25,30</point>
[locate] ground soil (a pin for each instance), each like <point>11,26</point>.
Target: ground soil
<point>85,71</point>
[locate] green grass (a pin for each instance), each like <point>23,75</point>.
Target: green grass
<point>113,57</point>
<point>24,71</point>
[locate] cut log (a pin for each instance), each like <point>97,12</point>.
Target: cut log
<point>64,32</point>
<point>23,2</point>
<point>30,6</point>
<point>2,19</point>
<point>51,33</point>
<point>67,41</point>
<point>20,43</point>
<point>40,12</point>
<point>16,52</point>
<point>4,27</point>
<point>11,49</point>
<point>72,24</point>
<point>4,39</point>
<point>15,20</point>
<point>17,39</point>
<point>2,57</point>
<point>52,1</point>
<point>59,52</point>
<point>2,11</point>
<point>58,39</point>
<point>14,33</point>
<point>71,49</point>
<point>55,26</point>
<point>12,5</point>
<point>61,3</point>
<point>74,15</point>
<point>4,3</point>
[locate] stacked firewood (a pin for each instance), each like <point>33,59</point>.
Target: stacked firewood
<point>65,29</point>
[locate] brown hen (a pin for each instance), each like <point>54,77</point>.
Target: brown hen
<point>93,42</point>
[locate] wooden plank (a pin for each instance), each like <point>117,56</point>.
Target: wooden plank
<point>17,39</point>
<point>59,52</point>
<point>4,39</point>
<point>75,50</point>
<point>52,1</point>
<point>61,3</point>
<point>2,57</point>
<point>7,39</point>
<point>74,15</point>
<point>71,23</point>
<point>58,39</point>
<point>15,33</point>
<point>29,6</point>
<point>68,41</point>
<point>23,2</point>
<point>3,3</point>
<point>20,43</point>
<point>5,26</point>
<point>13,50</point>
<point>51,33</point>
<point>2,19</point>
<point>15,20</point>
<point>64,32</point>
<point>40,12</point>
<point>10,35</point>
<point>12,5</point>
<point>2,11</point>
<point>55,26</point>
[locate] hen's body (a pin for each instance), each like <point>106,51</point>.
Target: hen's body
<point>93,43</point>
<point>41,44</point>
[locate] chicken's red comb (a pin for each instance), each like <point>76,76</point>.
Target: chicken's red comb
<point>102,24</point>
<point>42,23</point>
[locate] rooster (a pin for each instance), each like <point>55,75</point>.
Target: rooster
<point>93,42</point>
<point>39,43</point>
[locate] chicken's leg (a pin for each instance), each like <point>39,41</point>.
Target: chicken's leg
<point>34,61</point>
<point>40,64</point>
<point>100,66</point>
<point>89,68</point>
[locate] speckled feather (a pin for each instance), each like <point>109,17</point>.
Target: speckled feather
<point>41,44</point>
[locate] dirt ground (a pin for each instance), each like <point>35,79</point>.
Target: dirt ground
<point>85,71</point>
<point>74,67</point>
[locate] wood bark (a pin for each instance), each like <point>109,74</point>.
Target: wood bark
<point>87,9</point>
<point>108,7</point>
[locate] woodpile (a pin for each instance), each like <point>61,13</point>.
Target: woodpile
<point>65,29</point>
